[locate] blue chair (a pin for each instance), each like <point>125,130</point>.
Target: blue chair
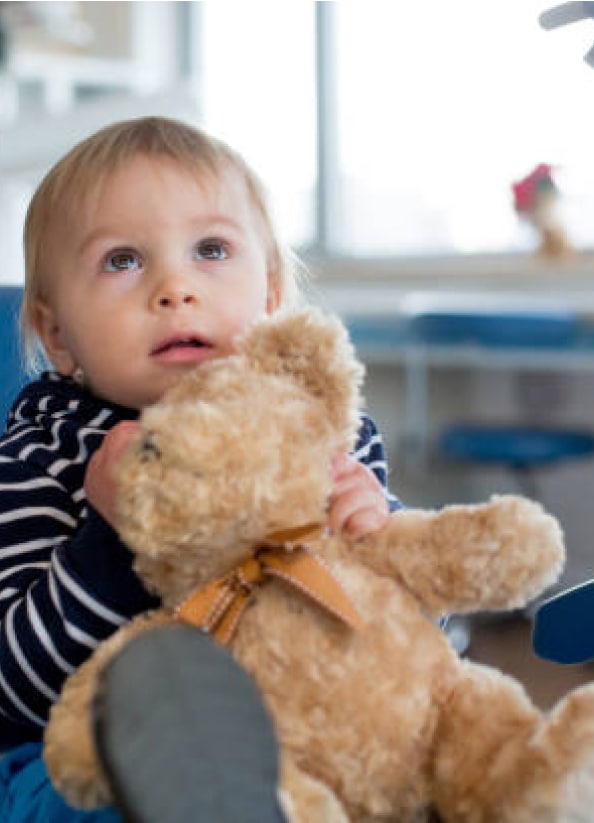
<point>522,449</point>
<point>563,628</point>
<point>12,372</point>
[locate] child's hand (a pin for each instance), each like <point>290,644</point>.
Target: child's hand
<point>358,505</point>
<point>100,486</point>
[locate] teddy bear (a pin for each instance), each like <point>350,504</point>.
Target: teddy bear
<point>225,488</point>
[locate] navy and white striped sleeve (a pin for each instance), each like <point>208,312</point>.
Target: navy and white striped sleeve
<point>64,587</point>
<point>370,451</point>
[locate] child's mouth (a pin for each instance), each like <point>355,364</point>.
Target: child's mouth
<point>183,343</point>
<point>182,350</point>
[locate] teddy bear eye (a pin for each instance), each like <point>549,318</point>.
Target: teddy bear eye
<point>149,449</point>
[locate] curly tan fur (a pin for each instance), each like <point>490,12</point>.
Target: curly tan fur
<point>378,724</point>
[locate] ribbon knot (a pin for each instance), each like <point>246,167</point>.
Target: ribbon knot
<point>218,607</point>
<point>250,573</point>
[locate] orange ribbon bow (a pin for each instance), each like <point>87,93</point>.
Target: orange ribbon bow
<point>219,606</point>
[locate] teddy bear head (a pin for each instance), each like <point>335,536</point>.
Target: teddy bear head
<point>239,449</point>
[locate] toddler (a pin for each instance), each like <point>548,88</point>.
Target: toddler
<point>149,248</point>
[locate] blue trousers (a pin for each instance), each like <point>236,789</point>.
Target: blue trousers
<point>27,795</point>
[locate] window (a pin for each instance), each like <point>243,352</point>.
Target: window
<point>433,110</point>
<point>380,129</point>
<point>441,106</point>
<point>257,75</point>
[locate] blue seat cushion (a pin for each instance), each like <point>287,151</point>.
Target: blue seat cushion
<point>497,328</point>
<point>12,372</point>
<point>515,446</point>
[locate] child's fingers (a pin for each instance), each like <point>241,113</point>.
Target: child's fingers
<point>343,464</point>
<point>357,505</point>
<point>349,473</point>
<point>357,510</point>
<point>116,440</point>
<point>364,522</point>
<point>100,474</point>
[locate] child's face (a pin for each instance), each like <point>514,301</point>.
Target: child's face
<point>157,276</point>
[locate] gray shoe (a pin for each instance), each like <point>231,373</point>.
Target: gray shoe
<point>183,733</point>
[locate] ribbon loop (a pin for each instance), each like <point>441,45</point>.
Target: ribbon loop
<point>219,606</point>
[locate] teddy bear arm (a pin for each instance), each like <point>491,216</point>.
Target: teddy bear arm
<point>497,555</point>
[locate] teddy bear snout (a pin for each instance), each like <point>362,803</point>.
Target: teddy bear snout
<point>149,449</point>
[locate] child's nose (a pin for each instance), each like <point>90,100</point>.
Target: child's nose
<point>173,293</point>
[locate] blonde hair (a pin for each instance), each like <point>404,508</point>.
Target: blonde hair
<point>80,173</point>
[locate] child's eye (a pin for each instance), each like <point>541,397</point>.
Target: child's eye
<point>212,249</point>
<point>122,260</point>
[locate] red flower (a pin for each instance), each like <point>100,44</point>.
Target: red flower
<point>528,191</point>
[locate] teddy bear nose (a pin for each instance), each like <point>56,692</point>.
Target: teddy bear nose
<point>149,449</point>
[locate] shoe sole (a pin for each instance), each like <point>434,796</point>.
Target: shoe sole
<point>183,733</point>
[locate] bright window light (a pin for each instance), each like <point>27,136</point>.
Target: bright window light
<point>258,92</point>
<point>441,106</point>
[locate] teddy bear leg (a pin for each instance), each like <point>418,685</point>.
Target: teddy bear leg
<point>184,733</point>
<point>500,760</point>
<point>305,799</point>
<point>70,752</point>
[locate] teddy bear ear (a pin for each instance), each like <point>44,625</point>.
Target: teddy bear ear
<point>312,348</point>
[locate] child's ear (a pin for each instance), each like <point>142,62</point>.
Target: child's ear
<point>273,300</point>
<point>48,329</point>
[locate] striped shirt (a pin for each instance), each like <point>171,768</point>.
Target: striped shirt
<point>66,579</point>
